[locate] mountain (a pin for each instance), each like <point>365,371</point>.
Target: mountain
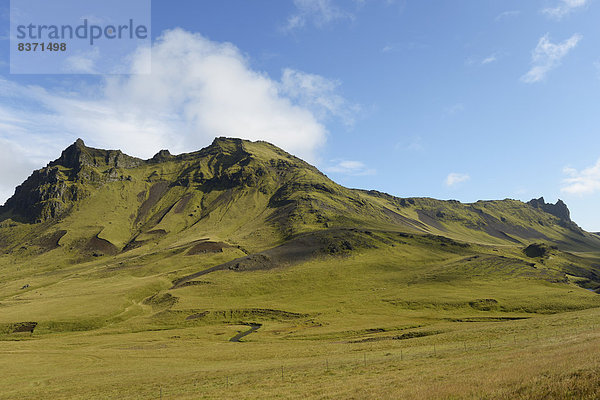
<point>240,206</point>
<point>251,193</point>
<point>150,268</point>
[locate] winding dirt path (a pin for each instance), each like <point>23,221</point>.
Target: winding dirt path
<point>253,328</point>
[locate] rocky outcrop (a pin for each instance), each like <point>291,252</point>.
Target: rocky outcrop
<point>559,209</point>
<point>46,194</point>
<point>161,156</point>
<point>535,250</point>
<point>51,191</point>
<point>78,155</point>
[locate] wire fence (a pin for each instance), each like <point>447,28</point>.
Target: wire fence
<point>425,349</point>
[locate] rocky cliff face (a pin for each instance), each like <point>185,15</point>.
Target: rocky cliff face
<point>78,156</point>
<point>44,195</point>
<point>559,209</point>
<point>51,191</point>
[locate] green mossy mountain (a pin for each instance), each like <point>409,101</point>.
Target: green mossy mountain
<point>133,276</point>
<point>251,193</point>
<point>102,247</point>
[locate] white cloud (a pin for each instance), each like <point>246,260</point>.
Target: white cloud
<point>586,181</point>
<point>507,14</point>
<point>347,167</point>
<point>391,47</point>
<point>475,61</point>
<point>455,178</point>
<point>564,8</point>
<point>317,94</point>
<point>388,48</point>
<point>83,63</point>
<point>413,144</point>
<point>319,12</point>
<point>198,89</point>
<point>547,56</point>
<point>454,109</point>
<point>16,162</point>
<point>489,59</point>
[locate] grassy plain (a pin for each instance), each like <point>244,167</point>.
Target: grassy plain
<point>398,322</point>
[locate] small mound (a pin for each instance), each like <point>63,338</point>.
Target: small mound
<point>484,304</point>
<point>207,247</point>
<point>161,301</point>
<point>50,241</point>
<point>99,247</point>
<point>18,327</point>
<point>535,250</point>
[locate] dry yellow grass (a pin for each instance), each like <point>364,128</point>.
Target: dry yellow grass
<point>548,357</point>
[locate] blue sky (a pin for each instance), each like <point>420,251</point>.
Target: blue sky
<point>458,100</point>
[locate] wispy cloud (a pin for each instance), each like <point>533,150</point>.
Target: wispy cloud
<point>316,12</point>
<point>318,94</point>
<point>388,48</point>
<point>412,144</point>
<point>564,8</point>
<point>17,161</point>
<point>454,109</point>
<point>83,63</point>
<point>455,178</point>
<point>479,61</point>
<point>348,167</point>
<point>402,46</point>
<point>489,59</point>
<point>508,14</point>
<point>547,56</point>
<point>320,13</point>
<point>586,181</point>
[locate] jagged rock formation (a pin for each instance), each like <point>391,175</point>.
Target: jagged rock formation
<point>51,191</point>
<point>78,156</point>
<point>559,209</point>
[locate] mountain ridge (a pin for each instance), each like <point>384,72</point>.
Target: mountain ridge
<point>295,197</point>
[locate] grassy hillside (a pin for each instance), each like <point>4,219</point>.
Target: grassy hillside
<point>135,274</point>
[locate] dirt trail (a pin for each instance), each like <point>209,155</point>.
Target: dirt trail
<point>253,328</point>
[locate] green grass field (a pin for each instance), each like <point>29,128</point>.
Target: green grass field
<point>397,322</point>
